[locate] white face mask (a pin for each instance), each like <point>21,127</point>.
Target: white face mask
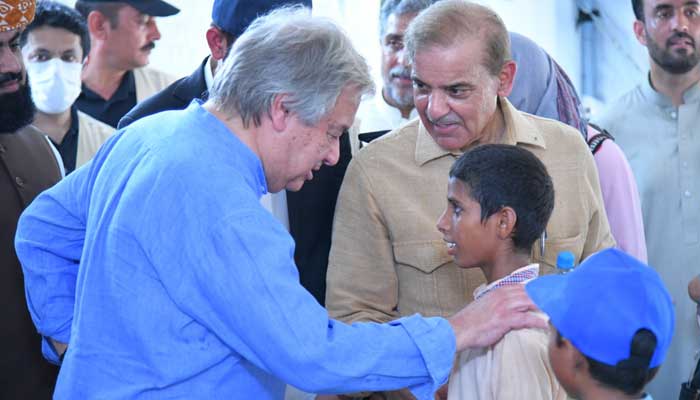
<point>55,84</point>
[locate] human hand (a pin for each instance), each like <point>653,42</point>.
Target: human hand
<point>485,321</point>
<point>59,347</point>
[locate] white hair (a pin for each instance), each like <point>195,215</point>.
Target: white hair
<point>308,59</point>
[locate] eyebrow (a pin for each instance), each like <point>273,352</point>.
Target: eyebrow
<point>459,85</point>
<point>456,85</point>
<point>453,201</point>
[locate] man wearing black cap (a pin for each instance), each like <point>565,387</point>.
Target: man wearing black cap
<point>308,213</point>
<point>123,34</point>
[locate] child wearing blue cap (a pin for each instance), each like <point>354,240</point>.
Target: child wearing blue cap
<point>500,198</point>
<point>611,325</point>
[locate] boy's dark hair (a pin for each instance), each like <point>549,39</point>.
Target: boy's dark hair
<point>638,7</point>
<point>629,375</point>
<point>500,175</point>
<point>57,15</point>
<point>109,9</point>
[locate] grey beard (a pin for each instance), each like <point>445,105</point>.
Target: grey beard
<point>402,101</point>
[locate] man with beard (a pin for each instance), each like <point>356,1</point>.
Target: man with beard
<point>122,35</point>
<point>394,105</point>
<point>657,125</point>
<point>27,166</point>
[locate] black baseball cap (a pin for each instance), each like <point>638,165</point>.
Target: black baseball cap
<point>154,8</point>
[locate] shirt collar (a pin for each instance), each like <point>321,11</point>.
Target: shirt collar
<point>518,277</point>
<point>381,103</point>
<point>691,95</point>
<point>208,75</point>
<point>518,130</point>
<point>127,87</point>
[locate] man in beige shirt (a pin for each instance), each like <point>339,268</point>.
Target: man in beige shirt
<point>387,258</point>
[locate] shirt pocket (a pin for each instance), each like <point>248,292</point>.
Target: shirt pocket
<point>553,246</point>
<point>424,256</point>
<point>425,278</point>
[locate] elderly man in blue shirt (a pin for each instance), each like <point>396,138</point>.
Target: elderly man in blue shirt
<point>159,267</point>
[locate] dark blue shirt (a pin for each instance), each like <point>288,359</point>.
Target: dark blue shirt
<point>109,111</point>
<point>187,287</point>
<point>68,148</point>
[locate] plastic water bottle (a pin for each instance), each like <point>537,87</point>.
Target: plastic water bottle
<point>565,262</point>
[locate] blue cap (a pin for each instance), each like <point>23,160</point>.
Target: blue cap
<point>154,8</point>
<point>565,260</point>
<point>234,16</point>
<point>600,305</point>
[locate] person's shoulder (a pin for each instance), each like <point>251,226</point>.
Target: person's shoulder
<point>155,75</point>
<point>526,341</point>
<point>621,108</point>
<point>161,101</point>
<point>93,126</point>
<point>557,135</point>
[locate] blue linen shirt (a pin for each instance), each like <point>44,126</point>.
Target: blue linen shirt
<point>158,265</point>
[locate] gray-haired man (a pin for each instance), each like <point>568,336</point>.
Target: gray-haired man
<point>186,286</point>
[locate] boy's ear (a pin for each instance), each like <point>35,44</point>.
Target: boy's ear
<point>506,222</point>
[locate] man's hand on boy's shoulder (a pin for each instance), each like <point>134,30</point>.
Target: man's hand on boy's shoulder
<point>484,321</point>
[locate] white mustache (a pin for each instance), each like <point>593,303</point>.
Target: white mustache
<point>400,72</point>
<point>448,119</point>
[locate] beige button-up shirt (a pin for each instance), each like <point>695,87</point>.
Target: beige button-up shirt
<point>387,257</point>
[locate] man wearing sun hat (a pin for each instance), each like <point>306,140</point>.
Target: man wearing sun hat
<point>611,321</point>
<point>28,165</point>
<point>122,35</point>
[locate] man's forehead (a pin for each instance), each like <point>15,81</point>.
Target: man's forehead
<point>463,59</point>
<point>396,24</point>
<point>652,5</point>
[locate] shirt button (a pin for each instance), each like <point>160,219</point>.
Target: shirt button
<point>674,114</point>
<point>685,164</point>
<point>19,181</point>
<point>686,193</point>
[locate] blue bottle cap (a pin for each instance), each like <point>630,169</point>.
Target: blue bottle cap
<point>565,260</point>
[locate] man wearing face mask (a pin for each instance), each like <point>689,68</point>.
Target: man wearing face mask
<point>53,47</point>
<point>28,165</point>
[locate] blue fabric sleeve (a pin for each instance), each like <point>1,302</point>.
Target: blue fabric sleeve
<point>49,242</point>
<point>242,285</point>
